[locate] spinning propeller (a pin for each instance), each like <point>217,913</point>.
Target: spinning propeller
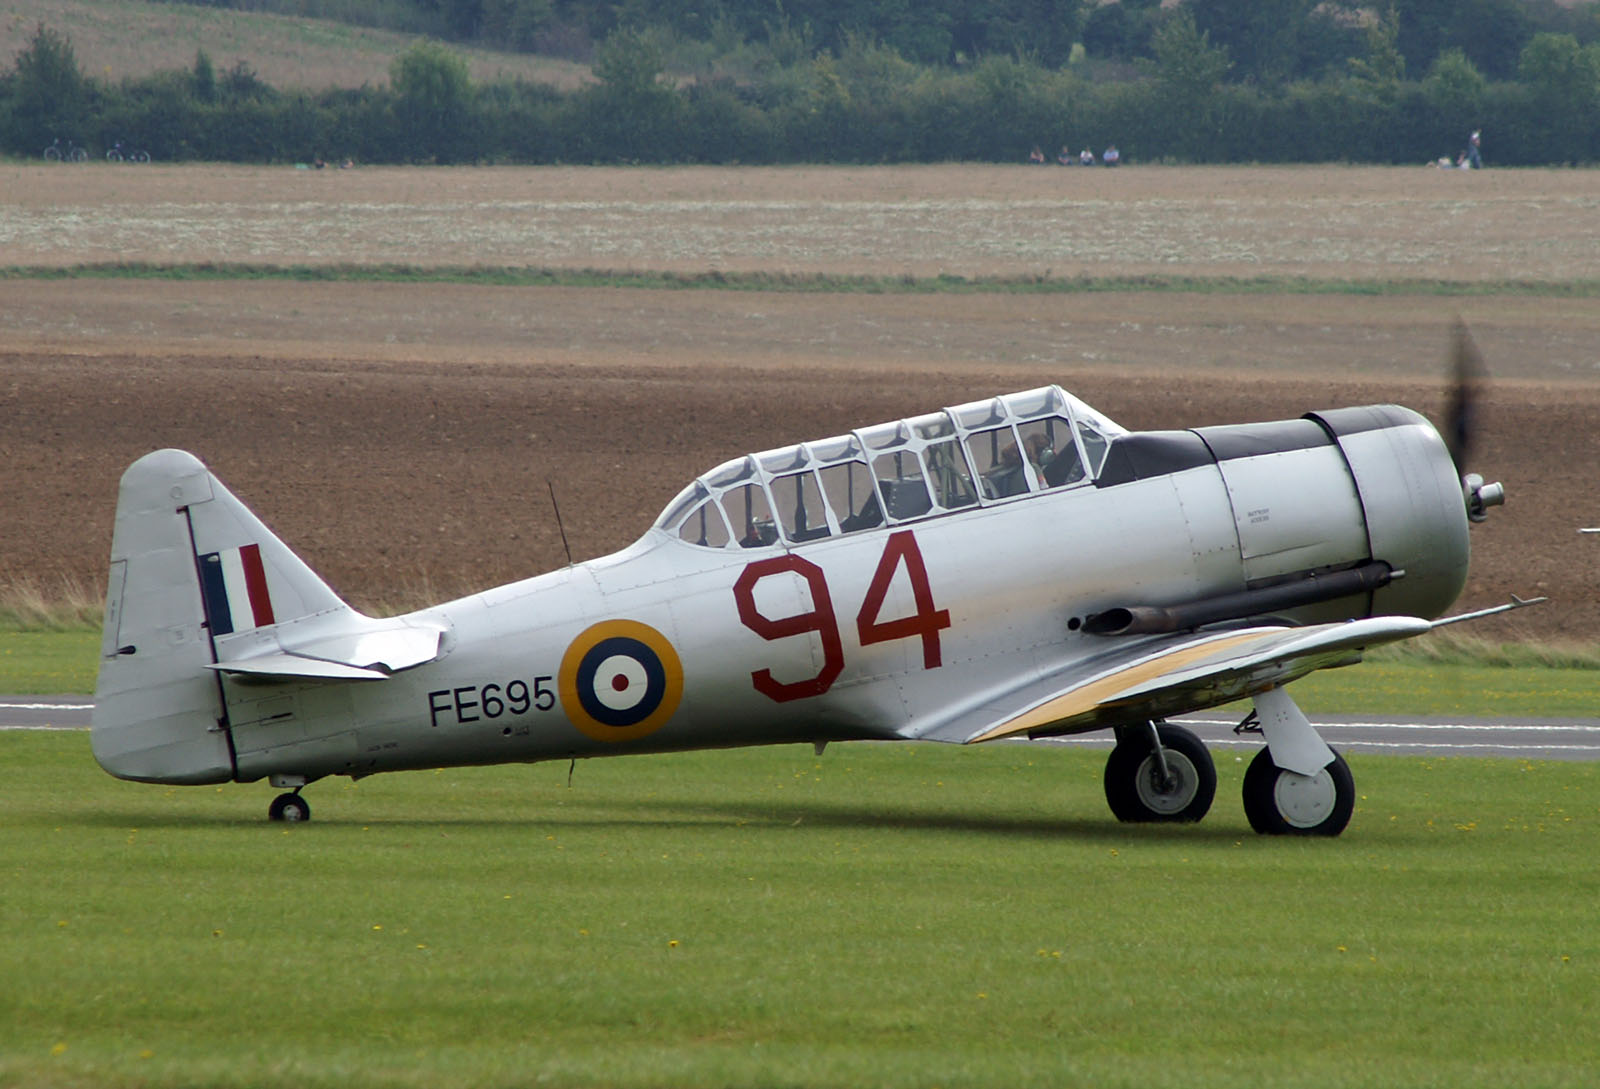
<point>1461,423</point>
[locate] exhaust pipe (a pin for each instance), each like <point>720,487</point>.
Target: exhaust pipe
<point>1310,590</point>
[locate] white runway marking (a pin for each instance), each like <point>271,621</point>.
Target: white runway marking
<point>44,712</point>
<point>1575,740</point>
<point>4,706</point>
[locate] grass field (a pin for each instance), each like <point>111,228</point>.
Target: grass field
<point>882,915</point>
<point>511,276</point>
<point>116,39</point>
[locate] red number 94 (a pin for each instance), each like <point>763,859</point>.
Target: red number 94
<point>926,623</point>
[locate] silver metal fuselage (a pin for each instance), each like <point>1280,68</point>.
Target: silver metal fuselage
<point>1172,517</point>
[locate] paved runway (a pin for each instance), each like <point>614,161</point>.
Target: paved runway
<point>1532,739</point>
<point>45,712</point>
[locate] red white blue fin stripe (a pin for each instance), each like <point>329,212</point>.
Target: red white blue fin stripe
<point>234,582</point>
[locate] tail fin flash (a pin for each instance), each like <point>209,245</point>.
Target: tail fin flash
<point>199,587</point>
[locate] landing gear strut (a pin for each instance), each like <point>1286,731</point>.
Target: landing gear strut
<point>1159,772</point>
<point>290,808</point>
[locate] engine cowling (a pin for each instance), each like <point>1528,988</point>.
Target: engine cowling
<point>1342,513</point>
<point>1411,497</point>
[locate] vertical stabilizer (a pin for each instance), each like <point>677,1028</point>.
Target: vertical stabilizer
<point>195,578</point>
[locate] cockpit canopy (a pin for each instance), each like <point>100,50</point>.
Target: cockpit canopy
<point>977,454</point>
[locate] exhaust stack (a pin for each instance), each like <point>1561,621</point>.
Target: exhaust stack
<point>1310,590</point>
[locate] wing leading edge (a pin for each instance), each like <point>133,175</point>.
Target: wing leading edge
<point>1162,676</point>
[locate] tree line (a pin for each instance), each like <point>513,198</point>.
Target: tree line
<point>1176,95</point>
<point>1268,41</point>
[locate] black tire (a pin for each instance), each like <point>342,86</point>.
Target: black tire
<point>1133,779</point>
<point>290,808</point>
<point>1282,803</point>
<point>78,155</point>
<point>113,156</point>
<point>139,157</point>
<point>52,155</point>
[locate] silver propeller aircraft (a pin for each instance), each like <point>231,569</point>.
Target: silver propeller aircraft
<point>1019,567</point>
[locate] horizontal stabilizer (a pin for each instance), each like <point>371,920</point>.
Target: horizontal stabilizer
<point>292,665</point>
<point>359,649</point>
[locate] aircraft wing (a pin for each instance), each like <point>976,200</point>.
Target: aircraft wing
<point>1160,676</point>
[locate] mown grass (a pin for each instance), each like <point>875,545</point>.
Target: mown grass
<point>517,276</point>
<point>49,636</point>
<point>891,915</point>
<point>48,662</point>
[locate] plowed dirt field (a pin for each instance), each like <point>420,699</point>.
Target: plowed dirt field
<point>401,436</point>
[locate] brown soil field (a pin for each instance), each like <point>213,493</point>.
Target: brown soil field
<point>401,436</point>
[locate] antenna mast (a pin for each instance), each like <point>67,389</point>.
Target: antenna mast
<point>552,486</point>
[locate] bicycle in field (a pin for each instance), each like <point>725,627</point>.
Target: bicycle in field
<point>68,152</point>
<point>120,153</point>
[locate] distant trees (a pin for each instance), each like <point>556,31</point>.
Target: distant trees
<point>1202,81</point>
<point>1263,39</point>
<point>46,95</point>
<point>1186,75</point>
<point>1562,83</point>
<point>1455,90</point>
<point>1122,30</point>
<point>431,96</point>
<point>1490,33</point>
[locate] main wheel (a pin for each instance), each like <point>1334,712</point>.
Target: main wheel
<point>1136,790</point>
<point>289,807</point>
<point>1279,802</point>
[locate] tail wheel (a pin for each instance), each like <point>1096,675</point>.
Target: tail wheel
<point>1279,802</point>
<point>290,808</point>
<point>1139,792</point>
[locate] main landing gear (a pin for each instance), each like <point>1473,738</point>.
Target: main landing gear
<point>1159,772</point>
<point>1280,802</point>
<point>1297,786</point>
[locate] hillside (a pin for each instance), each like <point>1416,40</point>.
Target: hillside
<point>117,38</point>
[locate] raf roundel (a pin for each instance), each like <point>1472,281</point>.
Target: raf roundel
<point>620,680</point>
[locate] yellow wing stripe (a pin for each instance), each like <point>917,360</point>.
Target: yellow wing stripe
<point>1091,695</point>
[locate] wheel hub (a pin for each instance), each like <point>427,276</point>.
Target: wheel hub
<point>1305,801</point>
<point>1172,794</point>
